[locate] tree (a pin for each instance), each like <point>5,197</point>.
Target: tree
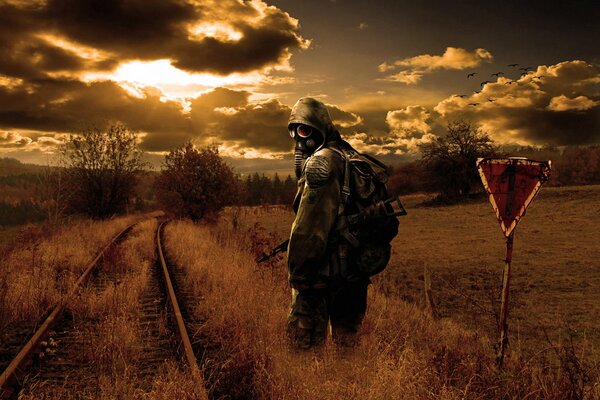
<point>103,166</point>
<point>449,161</point>
<point>277,193</point>
<point>195,183</point>
<point>289,190</point>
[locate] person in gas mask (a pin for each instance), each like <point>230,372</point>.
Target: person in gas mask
<point>320,293</point>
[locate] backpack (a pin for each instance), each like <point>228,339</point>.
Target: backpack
<point>366,217</point>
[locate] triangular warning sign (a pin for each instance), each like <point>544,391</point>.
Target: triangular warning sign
<point>512,184</point>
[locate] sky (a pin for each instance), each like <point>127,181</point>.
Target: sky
<point>226,72</point>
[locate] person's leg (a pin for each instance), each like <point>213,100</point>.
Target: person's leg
<point>307,321</point>
<point>347,307</point>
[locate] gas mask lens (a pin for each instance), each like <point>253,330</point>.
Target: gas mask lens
<point>304,131</point>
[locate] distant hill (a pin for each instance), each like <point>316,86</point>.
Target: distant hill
<point>11,166</point>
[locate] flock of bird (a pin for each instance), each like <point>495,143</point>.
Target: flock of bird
<point>526,71</point>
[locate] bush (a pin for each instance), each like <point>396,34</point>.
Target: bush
<point>407,178</point>
<point>195,183</point>
<point>449,161</point>
<point>104,165</point>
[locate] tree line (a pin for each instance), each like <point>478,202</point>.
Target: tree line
<point>104,166</point>
<point>260,189</point>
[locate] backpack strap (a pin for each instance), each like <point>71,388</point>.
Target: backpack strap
<point>346,183</point>
<point>342,220</point>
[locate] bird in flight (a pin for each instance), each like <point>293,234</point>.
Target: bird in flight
<point>491,100</point>
<point>477,91</point>
<point>460,95</point>
<point>497,74</point>
<point>473,104</point>
<point>525,69</point>
<point>512,65</point>
<point>471,74</point>
<point>509,82</point>
<point>484,82</point>
<point>540,77</point>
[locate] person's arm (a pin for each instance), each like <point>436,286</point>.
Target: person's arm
<point>315,218</point>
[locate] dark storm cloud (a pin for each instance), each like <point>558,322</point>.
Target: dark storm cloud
<point>228,115</point>
<point>69,106</point>
<point>217,116</point>
<point>45,46</point>
<point>143,30</point>
<point>26,51</point>
<point>570,127</point>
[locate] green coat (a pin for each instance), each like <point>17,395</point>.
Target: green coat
<point>312,251</point>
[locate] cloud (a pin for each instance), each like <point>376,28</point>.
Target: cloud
<point>563,103</point>
<point>13,140</point>
<point>453,58</point>
<point>257,125</point>
<point>557,104</point>
<point>99,34</point>
<point>412,69</point>
<point>407,128</point>
<point>59,61</point>
<point>406,77</point>
<point>409,121</point>
<point>343,119</point>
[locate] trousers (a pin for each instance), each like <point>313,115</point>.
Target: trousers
<point>341,306</point>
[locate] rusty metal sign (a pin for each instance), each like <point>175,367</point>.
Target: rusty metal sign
<point>512,184</point>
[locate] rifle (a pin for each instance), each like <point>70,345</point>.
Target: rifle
<point>374,211</point>
<point>279,249</point>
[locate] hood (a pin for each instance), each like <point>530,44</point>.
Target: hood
<point>313,113</point>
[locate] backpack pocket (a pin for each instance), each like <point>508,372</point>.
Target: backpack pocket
<point>371,258</point>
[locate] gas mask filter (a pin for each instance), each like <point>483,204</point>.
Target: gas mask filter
<point>307,140</point>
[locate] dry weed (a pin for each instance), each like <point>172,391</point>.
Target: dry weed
<point>403,354</point>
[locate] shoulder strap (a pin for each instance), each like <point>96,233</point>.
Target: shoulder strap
<point>346,183</point>
<point>342,220</point>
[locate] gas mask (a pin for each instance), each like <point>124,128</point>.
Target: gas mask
<point>307,140</point>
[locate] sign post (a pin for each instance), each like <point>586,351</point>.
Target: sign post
<point>511,185</point>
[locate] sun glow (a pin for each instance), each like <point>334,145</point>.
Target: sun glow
<point>171,81</point>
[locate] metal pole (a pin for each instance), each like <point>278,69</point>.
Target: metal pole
<point>503,343</point>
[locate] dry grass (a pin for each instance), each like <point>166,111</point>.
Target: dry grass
<point>114,342</point>
<point>404,354</point>
<point>555,281</point>
<point>37,273</point>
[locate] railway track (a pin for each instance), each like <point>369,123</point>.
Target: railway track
<point>70,341</point>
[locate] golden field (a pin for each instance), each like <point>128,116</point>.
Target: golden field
<point>239,308</point>
<point>556,264</point>
<point>405,353</point>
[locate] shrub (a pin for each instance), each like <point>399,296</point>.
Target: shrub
<point>104,165</point>
<point>449,161</point>
<point>195,182</point>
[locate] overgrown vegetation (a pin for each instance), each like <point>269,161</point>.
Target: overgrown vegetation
<point>122,353</point>
<point>41,266</point>
<point>20,212</point>
<point>260,189</point>
<point>449,161</point>
<point>103,167</point>
<point>195,183</point>
<point>451,175</point>
<point>403,353</point>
